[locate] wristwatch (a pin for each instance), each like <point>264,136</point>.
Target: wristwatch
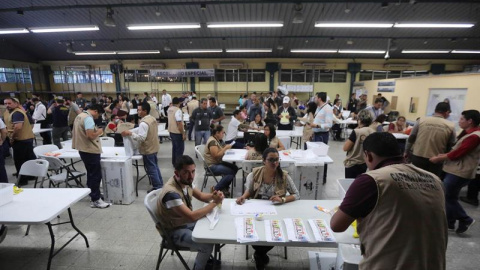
<point>284,199</point>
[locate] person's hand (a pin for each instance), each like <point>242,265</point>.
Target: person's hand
<point>240,200</point>
<point>126,133</point>
<point>217,197</point>
<point>184,136</point>
<point>437,159</point>
<point>100,130</point>
<point>276,198</point>
<point>287,116</point>
<point>228,146</point>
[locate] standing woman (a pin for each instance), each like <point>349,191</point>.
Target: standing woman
<point>272,139</point>
<point>268,182</point>
<point>355,161</point>
<point>270,112</point>
<point>258,123</point>
<point>308,119</point>
<point>214,151</point>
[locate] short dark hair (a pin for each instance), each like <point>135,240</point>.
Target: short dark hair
<point>382,144</point>
<point>202,100</point>
<point>474,115</point>
<point>175,100</point>
<point>273,133</point>
<point>322,96</point>
<point>145,93</point>
<point>194,97</point>
<point>35,99</point>
<point>212,99</point>
<point>378,100</point>
<point>442,107</point>
<point>130,118</point>
<point>96,107</point>
<point>79,93</point>
<point>236,112</point>
<point>215,129</point>
<point>145,106</point>
<point>182,161</point>
<point>380,119</point>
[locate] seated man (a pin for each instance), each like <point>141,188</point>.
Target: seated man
<point>400,210</point>
<point>175,209</point>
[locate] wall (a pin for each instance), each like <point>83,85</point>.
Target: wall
<point>406,88</point>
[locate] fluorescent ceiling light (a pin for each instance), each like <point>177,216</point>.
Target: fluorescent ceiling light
<point>425,51</point>
<point>201,51</point>
<point>353,25</point>
<point>139,52</point>
<point>244,25</point>
<point>312,51</point>
<point>361,51</point>
<point>465,51</point>
<point>6,31</point>
<point>433,25</point>
<point>94,52</point>
<point>247,50</point>
<point>64,29</point>
<point>163,26</point>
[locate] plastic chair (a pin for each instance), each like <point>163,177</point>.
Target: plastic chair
<point>167,243</point>
<point>107,141</point>
<point>36,168</point>
<point>286,142</point>
<point>64,173</point>
<point>117,138</point>
<point>199,150</point>
<point>42,149</point>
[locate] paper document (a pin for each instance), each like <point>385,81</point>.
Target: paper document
<point>250,207</point>
<point>321,230</point>
<point>273,231</point>
<point>213,217</point>
<point>296,230</point>
<point>246,231</point>
<point>283,118</point>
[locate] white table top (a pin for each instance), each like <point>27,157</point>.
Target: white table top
<point>108,152</point>
<point>400,136</point>
<point>225,232</point>
<point>296,156</point>
<point>348,121</point>
<point>41,130</point>
<point>40,205</point>
<point>280,133</point>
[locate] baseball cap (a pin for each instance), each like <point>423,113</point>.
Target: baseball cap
<point>286,100</point>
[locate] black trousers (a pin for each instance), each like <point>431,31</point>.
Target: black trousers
<point>355,170</point>
<point>285,127</point>
<point>473,188</point>
<point>424,163</point>
<point>261,251</point>
<point>22,152</point>
<point>46,136</point>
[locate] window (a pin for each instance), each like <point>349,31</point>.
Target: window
<point>379,74</point>
<point>129,75</point>
<point>231,75</point>
<point>15,75</point>
<point>258,75</point>
<point>339,76</point>
<point>237,75</point>
<point>286,75</point>
<point>82,76</point>
<point>326,75</point>
<point>220,75</point>
<point>365,75</point>
<point>298,75</point>
<point>394,74</point>
<point>142,75</point>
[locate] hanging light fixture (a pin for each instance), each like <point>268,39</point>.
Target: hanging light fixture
<point>109,21</point>
<point>298,17</point>
<point>167,46</point>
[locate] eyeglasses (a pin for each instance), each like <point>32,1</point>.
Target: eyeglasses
<point>273,160</point>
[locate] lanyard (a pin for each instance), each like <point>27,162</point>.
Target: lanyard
<point>318,111</point>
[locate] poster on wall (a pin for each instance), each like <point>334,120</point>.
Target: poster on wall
<point>386,86</point>
<point>454,96</point>
<point>413,105</point>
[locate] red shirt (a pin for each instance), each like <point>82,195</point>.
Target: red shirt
<point>469,144</point>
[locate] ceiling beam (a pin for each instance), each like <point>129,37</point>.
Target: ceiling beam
<point>241,2</point>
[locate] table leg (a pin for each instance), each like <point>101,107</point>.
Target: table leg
<point>325,168</point>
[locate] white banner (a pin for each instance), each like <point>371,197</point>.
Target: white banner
<point>182,72</point>
<point>299,88</point>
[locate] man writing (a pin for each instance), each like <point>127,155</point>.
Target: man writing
<point>85,140</point>
<point>147,135</point>
<point>177,215</point>
<point>400,210</point>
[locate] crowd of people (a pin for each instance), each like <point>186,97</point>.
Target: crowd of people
<point>421,180</point>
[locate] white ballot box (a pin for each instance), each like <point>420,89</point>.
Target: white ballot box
<point>322,260</point>
<point>343,186</point>
<point>348,257</point>
<point>118,184</point>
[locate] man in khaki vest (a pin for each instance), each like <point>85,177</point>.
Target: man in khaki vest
<point>19,130</point>
<point>399,208</point>
<point>147,135</point>
<point>460,166</point>
<point>85,138</point>
<point>176,215</point>
<point>191,106</point>
<point>175,128</point>
<point>431,136</point>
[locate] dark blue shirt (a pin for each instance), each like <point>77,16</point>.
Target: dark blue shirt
<point>60,116</point>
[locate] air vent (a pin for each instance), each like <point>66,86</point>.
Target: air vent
<point>231,64</point>
<point>313,64</point>
<point>78,67</point>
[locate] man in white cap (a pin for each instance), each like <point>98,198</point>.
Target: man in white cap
<point>287,115</point>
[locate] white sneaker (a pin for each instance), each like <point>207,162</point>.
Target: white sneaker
<point>99,204</point>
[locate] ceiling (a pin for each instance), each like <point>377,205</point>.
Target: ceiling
<point>52,46</point>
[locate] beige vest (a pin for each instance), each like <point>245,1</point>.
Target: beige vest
<point>407,229</point>
<point>26,131</point>
<point>253,155</point>
<point>466,166</point>
<point>433,136</point>
<point>72,114</point>
<point>280,183</point>
<point>153,109</point>
<point>172,122</point>
<point>169,220</point>
<point>355,156</point>
<point>150,145</point>
<point>80,141</point>
<point>192,105</point>
<point>397,128</point>
<point>375,125</point>
<point>274,143</point>
<point>208,156</point>
<point>307,129</point>
<point>124,126</point>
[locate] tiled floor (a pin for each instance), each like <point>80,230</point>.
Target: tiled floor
<point>124,237</point>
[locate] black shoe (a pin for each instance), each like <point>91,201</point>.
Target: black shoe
<point>463,227</point>
<point>469,201</point>
<point>451,227</point>
<point>3,233</point>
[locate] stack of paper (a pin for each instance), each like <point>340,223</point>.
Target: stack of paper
<point>273,231</point>
<point>296,230</point>
<point>246,231</point>
<point>321,230</point>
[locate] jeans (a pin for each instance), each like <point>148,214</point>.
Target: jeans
<point>190,130</point>
<point>3,172</point>
<point>94,173</point>
<point>453,184</point>
<point>201,135</point>
<point>151,166</point>
<point>355,170</point>
<point>178,146</point>
<point>183,238</point>
<point>424,163</point>
<point>228,170</point>
<point>60,132</point>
